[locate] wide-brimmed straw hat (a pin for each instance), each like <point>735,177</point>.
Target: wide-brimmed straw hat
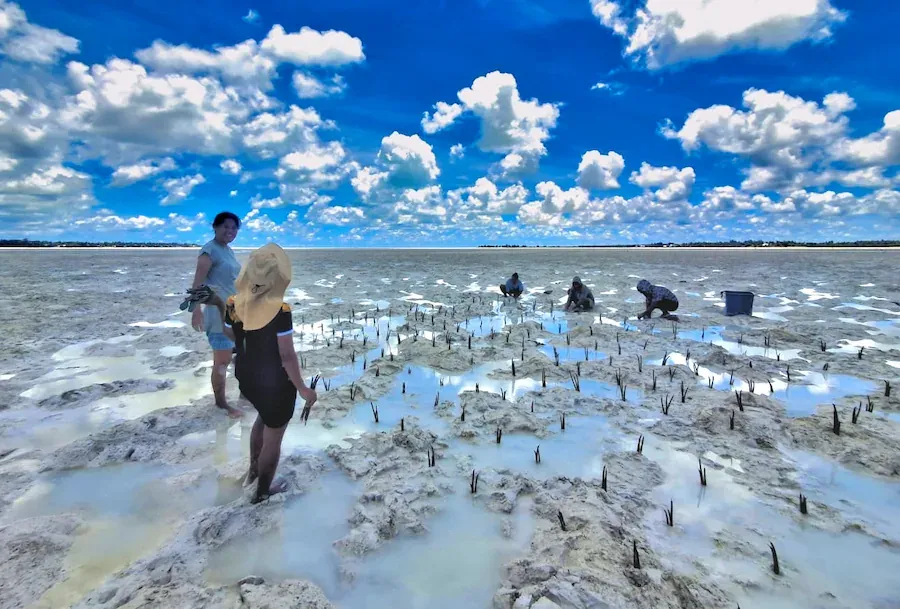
<point>261,286</point>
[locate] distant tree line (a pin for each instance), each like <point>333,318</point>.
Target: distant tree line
<point>886,243</point>
<point>30,243</point>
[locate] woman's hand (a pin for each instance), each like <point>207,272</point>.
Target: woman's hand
<point>309,396</point>
<point>197,319</point>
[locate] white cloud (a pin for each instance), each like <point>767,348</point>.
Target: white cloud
<point>407,160</point>
<point>114,222</point>
<point>671,183</point>
<point>51,181</point>
<point>29,43</point>
<point>271,134</point>
<point>510,125</point>
<point>457,151</point>
<point>315,158</point>
<point>443,116</point>
<point>613,88</point>
<point>29,135</point>
<point>308,86</point>
<point>879,148</point>
<point>311,47</point>
<point>178,189</point>
<point>129,174</point>
<point>251,16</point>
<point>184,224</point>
<point>730,199</point>
<point>486,198</point>
<point>258,202</point>
<point>231,167</point>
<point>600,171</point>
<point>233,193</point>
<point>666,32</point>
<point>242,63</point>
<point>339,215</point>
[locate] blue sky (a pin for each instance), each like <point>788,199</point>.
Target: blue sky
<point>450,122</point>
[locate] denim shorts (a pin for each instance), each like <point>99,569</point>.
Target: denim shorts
<point>219,342</point>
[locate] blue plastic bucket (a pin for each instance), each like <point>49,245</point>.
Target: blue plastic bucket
<point>738,303</point>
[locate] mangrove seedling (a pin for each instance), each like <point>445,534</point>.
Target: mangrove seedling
<point>377,371</point>
<point>537,454</point>
<point>654,380</point>
<point>739,396</point>
<point>665,403</point>
<point>887,389</point>
<point>610,361</point>
<point>513,363</point>
<point>314,381</point>
<point>636,558</point>
<point>404,388</point>
<point>532,405</point>
<point>646,342</point>
<point>555,356</point>
<point>473,485</point>
<point>618,378</point>
<point>860,353</point>
<point>562,521</point>
<point>771,387</point>
<point>855,414</point>
<point>578,368</point>
<point>674,331</point>
<point>603,478</point>
<point>353,391</point>
<point>803,509</point>
<point>870,405</point>
<point>788,374</point>
<point>437,399</point>
<point>477,388</point>
<point>543,377</point>
<point>751,385</point>
<point>640,444</point>
<point>568,340</point>
<point>711,382</point>
<point>696,369</point>
<point>462,416</point>
<point>826,366</point>
<point>836,423</point>
<point>640,361</point>
<point>402,425</point>
<point>775,568</point>
<point>562,421</point>
<point>731,423</point>
<point>665,359</point>
<point>374,410</point>
<point>623,392</point>
<point>586,354</point>
<point>499,434</point>
<point>670,514</point>
<point>503,394</point>
<point>823,345</point>
<point>684,391</point>
<point>671,373</point>
<point>702,472</point>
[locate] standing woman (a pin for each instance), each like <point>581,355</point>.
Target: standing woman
<point>218,268</point>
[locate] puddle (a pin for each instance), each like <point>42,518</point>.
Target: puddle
<point>887,327</point>
<point>713,336</point>
<point>169,323</point>
<point>576,452</point>
<point>853,346</point>
<point>858,497</point>
<point>464,573</point>
<point>722,534</point>
<point>128,510</point>
<point>862,307</point>
<point>572,354</point>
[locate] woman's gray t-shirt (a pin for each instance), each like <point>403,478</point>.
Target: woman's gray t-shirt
<point>221,277</point>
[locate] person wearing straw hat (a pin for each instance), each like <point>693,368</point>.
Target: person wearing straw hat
<point>266,365</point>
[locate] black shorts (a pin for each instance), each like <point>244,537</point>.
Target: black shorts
<point>275,406</point>
<point>668,305</point>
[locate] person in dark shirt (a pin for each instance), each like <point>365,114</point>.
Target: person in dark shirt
<point>513,287</point>
<point>266,364</point>
<point>657,297</point>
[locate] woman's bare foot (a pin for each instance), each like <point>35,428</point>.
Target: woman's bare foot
<point>233,412</point>
<point>279,485</point>
<point>251,477</point>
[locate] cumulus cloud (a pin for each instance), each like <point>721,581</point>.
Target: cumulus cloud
<point>270,134</point>
<point>184,224</point>
<point>510,125</point>
<point>457,151</point>
<point>258,202</point>
<point>251,16</point>
<point>130,174</point>
<point>30,43</point>
<point>486,198</point>
<point>231,167</point>
<point>665,32</point>
<point>404,161</point>
<point>308,86</point>
<point>600,171</point>
<point>179,189</point>
<point>52,181</point>
<point>879,148</point>
<point>311,47</point>
<point>668,183</point>
<point>338,215</point>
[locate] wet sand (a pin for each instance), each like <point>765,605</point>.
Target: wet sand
<point>120,482</point>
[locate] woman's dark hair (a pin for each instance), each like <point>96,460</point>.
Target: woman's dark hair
<point>226,215</point>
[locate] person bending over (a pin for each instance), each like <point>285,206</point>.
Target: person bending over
<point>513,287</point>
<point>580,297</point>
<point>266,365</point>
<point>657,297</point>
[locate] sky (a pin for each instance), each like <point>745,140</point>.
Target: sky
<point>450,123</point>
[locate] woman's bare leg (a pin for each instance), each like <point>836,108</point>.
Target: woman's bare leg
<point>256,444</point>
<point>221,359</point>
<point>268,460</point>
